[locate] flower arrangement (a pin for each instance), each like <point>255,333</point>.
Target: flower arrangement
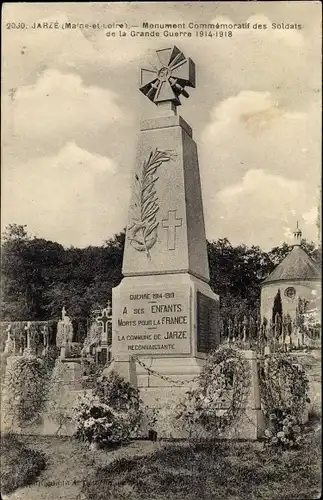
<point>283,430</point>
<point>98,422</point>
<point>112,414</point>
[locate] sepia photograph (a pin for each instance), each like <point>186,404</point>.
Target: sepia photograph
<point>160,320</point>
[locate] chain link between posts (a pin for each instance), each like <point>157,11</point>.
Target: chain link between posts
<point>163,377</point>
<point>182,383</point>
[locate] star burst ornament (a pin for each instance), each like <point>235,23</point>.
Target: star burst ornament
<point>167,79</point>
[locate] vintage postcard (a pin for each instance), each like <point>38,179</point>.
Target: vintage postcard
<point>160,325</point>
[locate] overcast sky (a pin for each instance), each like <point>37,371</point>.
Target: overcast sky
<point>71,112</point>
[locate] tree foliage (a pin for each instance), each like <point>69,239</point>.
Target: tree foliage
<point>236,274</point>
<point>39,276</point>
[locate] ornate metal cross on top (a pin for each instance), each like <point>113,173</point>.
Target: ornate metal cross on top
<point>167,79</point>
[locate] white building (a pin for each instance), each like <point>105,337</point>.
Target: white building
<point>296,280</point>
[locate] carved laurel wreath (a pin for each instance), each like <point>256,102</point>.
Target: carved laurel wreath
<point>144,228</point>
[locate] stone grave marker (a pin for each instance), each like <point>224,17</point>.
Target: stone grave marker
<point>10,343</point>
<point>64,336</point>
<point>70,351</point>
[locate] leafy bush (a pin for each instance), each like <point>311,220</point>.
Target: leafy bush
<point>51,354</point>
<point>3,364</point>
<point>112,414</point>
<point>20,466</point>
<point>116,392</point>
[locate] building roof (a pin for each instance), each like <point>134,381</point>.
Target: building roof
<point>297,265</point>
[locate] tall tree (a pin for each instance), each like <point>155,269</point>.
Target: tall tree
<point>28,266</point>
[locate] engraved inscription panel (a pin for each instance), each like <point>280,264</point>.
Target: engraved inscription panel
<point>207,323</point>
<point>153,322</point>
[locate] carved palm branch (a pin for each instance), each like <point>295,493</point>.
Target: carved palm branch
<point>143,230</point>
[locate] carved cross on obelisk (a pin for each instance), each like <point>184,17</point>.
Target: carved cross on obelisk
<point>171,223</point>
<point>166,81</point>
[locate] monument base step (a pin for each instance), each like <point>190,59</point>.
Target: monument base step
<point>250,425</point>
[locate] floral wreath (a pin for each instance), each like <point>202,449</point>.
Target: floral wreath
<point>26,382</point>
<point>225,372</point>
<point>284,388</point>
<point>284,384</point>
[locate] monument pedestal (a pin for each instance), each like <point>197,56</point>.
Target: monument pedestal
<point>163,327</point>
<point>125,366</point>
<point>168,321</point>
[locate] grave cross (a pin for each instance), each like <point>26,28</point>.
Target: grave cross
<point>171,224</point>
<point>104,320</point>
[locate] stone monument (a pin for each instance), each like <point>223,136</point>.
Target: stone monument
<point>70,352</point>
<point>30,349</point>
<point>9,348</point>
<point>165,314</point>
<point>99,335</point>
<point>64,336</point>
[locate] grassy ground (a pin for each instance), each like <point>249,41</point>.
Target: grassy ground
<point>212,471</point>
<point>69,464</point>
<point>174,471</point>
<point>20,465</point>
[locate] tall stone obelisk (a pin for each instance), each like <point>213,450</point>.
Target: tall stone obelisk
<point>164,311</point>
